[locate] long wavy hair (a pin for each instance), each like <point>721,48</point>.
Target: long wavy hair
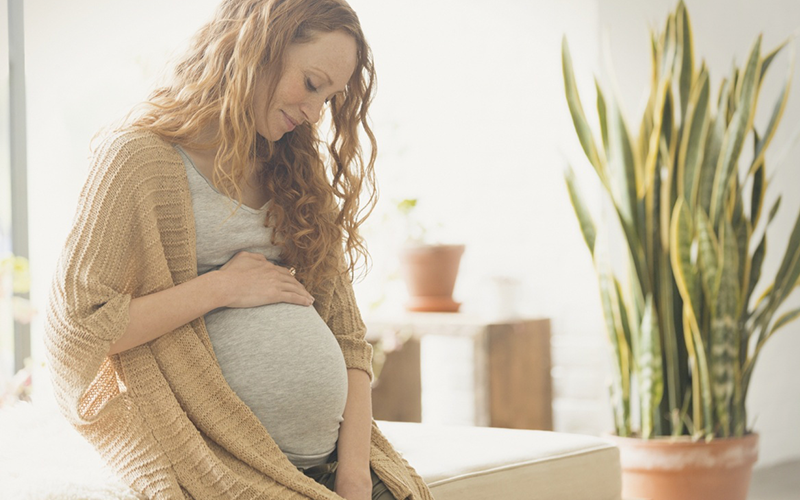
<point>320,195</point>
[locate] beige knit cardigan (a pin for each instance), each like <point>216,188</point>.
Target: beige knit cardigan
<point>161,414</point>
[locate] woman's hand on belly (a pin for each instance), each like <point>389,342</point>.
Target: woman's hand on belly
<point>251,280</point>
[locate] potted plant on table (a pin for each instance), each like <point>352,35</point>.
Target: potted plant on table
<point>429,269</point>
<point>685,326</point>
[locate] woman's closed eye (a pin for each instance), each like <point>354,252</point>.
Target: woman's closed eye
<point>311,88</point>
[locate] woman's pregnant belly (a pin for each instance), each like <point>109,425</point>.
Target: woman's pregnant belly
<point>283,361</point>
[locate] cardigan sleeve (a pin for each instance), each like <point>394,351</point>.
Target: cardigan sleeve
<point>94,281</point>
<point>344,320</point>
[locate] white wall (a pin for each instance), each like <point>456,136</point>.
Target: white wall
<point>724,31</point>
<point>472,120</point>
<point>470,117</point>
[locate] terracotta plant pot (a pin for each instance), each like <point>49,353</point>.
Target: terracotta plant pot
<point>430,273</point>
<point>668,469</point>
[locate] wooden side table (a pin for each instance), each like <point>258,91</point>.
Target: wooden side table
<point>456,368</point>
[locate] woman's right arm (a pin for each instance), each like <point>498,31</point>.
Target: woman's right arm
<point>247,280</point>
<point>151,316</point>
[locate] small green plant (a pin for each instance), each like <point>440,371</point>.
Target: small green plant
<point>16,270</point>
<point>684,325</point>
<point>414,229</point>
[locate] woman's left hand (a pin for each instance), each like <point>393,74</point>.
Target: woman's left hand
<point>353,484</point>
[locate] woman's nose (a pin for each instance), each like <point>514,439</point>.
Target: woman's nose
<point>312,109</point>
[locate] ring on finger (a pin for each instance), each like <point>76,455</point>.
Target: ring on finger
<point>292,271</point>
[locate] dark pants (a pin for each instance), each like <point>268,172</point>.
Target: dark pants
<point>325,475</point>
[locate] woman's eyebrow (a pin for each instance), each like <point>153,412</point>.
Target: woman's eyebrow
<point>328,78</point>
<point>323,73</point>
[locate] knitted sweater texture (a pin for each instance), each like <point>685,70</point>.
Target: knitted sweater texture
<point>161,414</point>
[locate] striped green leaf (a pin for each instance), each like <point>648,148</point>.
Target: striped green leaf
<point>723,96</point>
<point>696,390</point>
<point>621,167</point>
<point>685,48</point>
<point>748,92</point>
<point>627,334</point>
<point>769,57</point>
<point>708,257</point>
<point>777,112</point>
<point>789,270</point>
<point>713,146</point>
<point>743,232</point>
<point>628,331</point>
<point>784,320</point>
<point>694,138</point>
<point>666,202</point>
<point>660,102</point>
<point>652,219</point>
<point>685,272</point>
<point>668,118</point>
<point>654,55</point>
<point>620,388</point>
<point>726,165</point>
<point>755,269</point>
<point>578,116</point>
<point>636,289</point>
<point>669,44</point>
<point>729,264</point>
<point>734,205</point>
<point>759,189</point>
<point>766,294</point>
<point>602,114</point>
<point>701,385</point>
<point>650,371</point>
<point>636,249</point>
<point>643,141</point>
<point>734,97</point>
<point>774,210</point>
<point>724,345</point>
<point>665,297</point>
<point>648,118</point>
<point>584,218</point>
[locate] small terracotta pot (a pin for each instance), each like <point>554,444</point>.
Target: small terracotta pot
<point>430,273</point>
<point>679,469</point>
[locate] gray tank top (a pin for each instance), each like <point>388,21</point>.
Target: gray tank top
<point>282,360</point>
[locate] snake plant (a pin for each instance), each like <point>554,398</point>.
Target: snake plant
<point>683,323</point>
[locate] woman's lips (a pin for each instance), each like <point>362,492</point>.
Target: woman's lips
<point>290,124</point>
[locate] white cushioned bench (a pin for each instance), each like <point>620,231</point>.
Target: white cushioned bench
<point>43,458</point>
<point>472,463</point>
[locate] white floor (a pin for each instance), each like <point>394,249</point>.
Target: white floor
<point>780,482</point>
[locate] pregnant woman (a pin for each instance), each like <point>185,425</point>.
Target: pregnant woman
<point>202,331</point>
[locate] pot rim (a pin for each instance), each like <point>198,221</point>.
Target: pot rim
<point>433,246</point>
<point>668,453</point>
<point>682,440</point>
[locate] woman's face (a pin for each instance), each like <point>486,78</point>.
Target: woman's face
<point>313,72</point>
